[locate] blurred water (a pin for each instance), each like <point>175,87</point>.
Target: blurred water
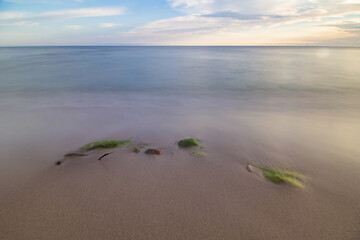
<point>180,68</point>
<point>61,97</point>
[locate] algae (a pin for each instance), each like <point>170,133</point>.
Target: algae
<point>282,176</point>
<point>136,150</point>
<point>188,142</point>
<point>105,144</point>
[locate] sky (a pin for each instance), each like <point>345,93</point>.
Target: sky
<point>180,22</point>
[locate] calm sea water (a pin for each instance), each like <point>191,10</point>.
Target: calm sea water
<point>84,69</point>
<point>61,97</point>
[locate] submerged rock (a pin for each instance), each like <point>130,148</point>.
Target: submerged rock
<point>153,151</point>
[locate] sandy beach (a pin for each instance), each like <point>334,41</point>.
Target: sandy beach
<point>306,127</point>
<point>180,196</point>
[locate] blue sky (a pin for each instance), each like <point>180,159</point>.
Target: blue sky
<point>179,22</point>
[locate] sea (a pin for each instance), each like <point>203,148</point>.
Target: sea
<point>54,99</point>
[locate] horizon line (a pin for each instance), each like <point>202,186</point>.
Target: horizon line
<point>325,46</point>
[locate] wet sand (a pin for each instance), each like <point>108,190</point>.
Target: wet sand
<point>177,195</point>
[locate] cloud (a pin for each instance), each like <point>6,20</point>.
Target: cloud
<point>235,15</point>
<point>248,22</point>
<point>349,25</point>
<point>244,6</point>
<point>109,25</point>
<point>74,27</point>
<point>83,12</point>
<point>20,23</point>
<point>352,1</point>
<point>10,17</point>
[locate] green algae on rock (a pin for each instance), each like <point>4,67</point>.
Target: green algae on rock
<point>105,144</point>
<point>282,176</point>
<point>188,142</point>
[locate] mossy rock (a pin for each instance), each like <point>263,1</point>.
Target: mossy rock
<point>282,176</point>
<point>188,142</point>
<point>105,144</point>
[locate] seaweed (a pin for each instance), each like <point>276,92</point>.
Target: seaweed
<point>105,144</point>
<point>282,176</point>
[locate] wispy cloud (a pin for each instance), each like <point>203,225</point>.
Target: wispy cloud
<point>10,17</point>
<point>74,27</point>
<point>20,23</point>
<point>240,16</point>
<point>218,22</point>
<point>201,22</point>
<point>83,12</point>
<point>109,25</point>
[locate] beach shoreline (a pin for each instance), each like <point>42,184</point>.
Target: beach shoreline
<point>301,115</point>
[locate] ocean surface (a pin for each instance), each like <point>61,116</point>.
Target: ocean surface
<point>293,107</point>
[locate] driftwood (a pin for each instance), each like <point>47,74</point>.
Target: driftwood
<point>105,155</point>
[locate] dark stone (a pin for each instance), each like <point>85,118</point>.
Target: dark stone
<point>58,163</point>
<point>153,151</point>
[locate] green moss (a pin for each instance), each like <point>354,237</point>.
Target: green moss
<point>282,176</point>
<point>136,150</point>
<point>199,154</point>
<point>106,144</point>
<point>188,142</point>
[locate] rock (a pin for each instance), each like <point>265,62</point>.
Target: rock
<point>249,168</point>
<point>59,162</point>
<point>188,142</point>
<point>153,151</point>
<point>136,150</point>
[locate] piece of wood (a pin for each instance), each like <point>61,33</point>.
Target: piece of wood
<point>105,155</point>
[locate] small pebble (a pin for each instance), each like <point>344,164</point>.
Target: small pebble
<point>249,168</point>
<point>153,151</point>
